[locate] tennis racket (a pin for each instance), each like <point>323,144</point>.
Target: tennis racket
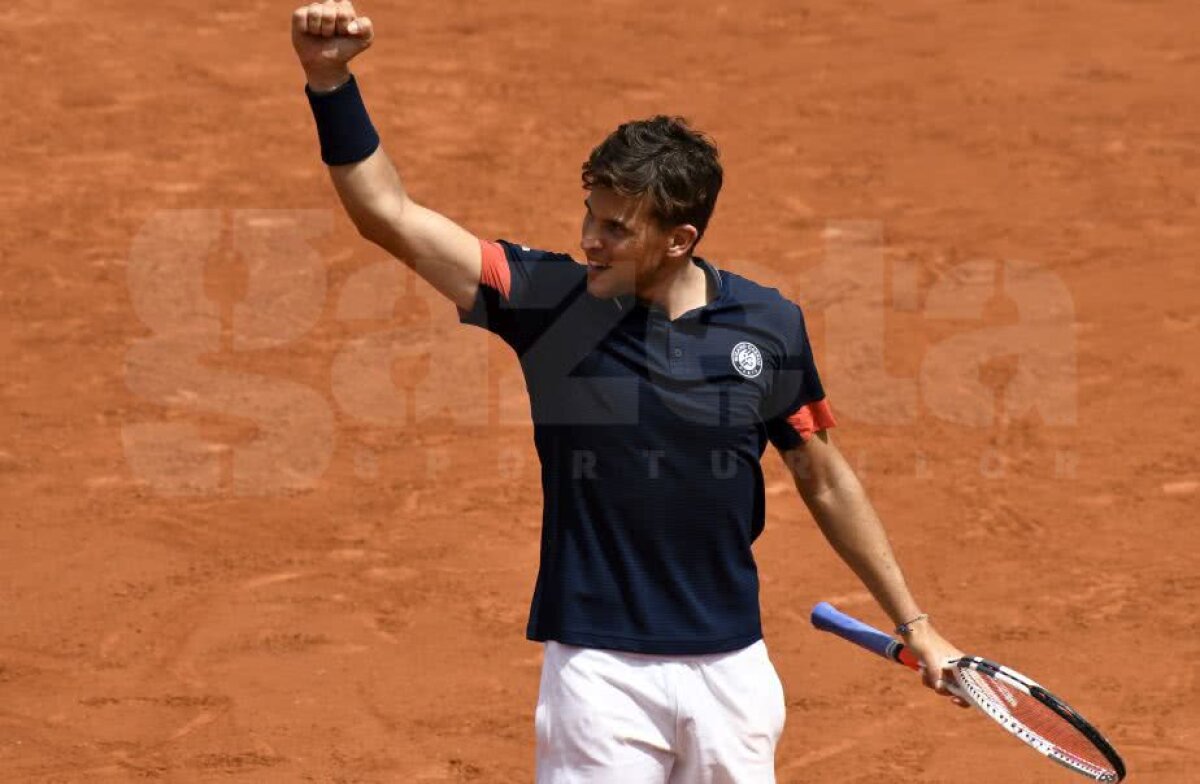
<point>1014,701</point>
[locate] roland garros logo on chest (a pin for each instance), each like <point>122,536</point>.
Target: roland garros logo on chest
<point>747,359</point>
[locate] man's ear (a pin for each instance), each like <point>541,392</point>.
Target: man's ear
<point>681,240</point>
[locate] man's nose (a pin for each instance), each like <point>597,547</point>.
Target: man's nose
<point>589,241</point>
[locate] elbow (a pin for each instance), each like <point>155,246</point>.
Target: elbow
<point>382,221</point>
<point>820,501</point>
<point>370,230</point>
<point>826,492</point>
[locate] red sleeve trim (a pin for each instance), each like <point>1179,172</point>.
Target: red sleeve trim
<point>812,417</point>
<point>495,273</point>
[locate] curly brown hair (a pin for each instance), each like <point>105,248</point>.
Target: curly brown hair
<point>663,157</point>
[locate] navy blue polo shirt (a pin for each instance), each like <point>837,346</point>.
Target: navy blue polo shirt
<point>650,434</point>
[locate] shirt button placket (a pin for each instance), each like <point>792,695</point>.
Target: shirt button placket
<point>675,350</point>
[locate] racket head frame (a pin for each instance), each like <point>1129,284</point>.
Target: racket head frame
<point>1012,679</point>
<point>828,618</point>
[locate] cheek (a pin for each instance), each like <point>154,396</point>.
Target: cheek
<point>633,251</point>
<point>633,267</point>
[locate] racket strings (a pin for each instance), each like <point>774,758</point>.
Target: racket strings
<point>1039,719</point>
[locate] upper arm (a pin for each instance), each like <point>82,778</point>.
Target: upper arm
<point>794,407</point>
<point>443,253</point>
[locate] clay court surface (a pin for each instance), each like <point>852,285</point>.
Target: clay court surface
<point>270,514</point>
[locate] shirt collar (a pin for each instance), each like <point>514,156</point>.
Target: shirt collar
<point>626,302</point>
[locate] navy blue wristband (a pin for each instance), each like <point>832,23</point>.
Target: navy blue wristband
<point>343,125</point>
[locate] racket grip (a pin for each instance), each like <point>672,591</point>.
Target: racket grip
<point>827,618</point>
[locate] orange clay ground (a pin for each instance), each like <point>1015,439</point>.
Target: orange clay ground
<point>270,514</point>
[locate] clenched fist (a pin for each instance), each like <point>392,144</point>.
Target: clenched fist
<point>327,36</point>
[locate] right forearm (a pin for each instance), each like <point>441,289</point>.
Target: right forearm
<point>365,178</point>
<point>376,201</point>
<point>326,37</point>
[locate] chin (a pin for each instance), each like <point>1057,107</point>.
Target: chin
<point>599,290</point>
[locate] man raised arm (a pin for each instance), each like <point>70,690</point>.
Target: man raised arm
<point>327,36</point>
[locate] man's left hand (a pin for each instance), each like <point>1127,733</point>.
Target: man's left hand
<point>937,657</point>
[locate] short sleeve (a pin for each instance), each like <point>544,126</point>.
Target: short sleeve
<point>521,290</point>
<point>795,406</point>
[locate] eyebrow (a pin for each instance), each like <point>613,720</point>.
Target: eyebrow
<point>612,221</point>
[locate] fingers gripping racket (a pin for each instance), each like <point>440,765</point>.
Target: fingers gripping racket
<point>1014,701</point>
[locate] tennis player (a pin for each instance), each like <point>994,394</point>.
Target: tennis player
<point>655,381</point>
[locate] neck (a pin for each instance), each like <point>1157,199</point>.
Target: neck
<point>685,288</point>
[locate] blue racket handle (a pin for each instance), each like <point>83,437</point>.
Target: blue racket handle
<point>827,618</point>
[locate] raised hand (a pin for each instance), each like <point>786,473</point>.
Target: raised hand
<point>327,36</point>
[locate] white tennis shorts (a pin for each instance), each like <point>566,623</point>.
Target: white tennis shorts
<point>628,718</point>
